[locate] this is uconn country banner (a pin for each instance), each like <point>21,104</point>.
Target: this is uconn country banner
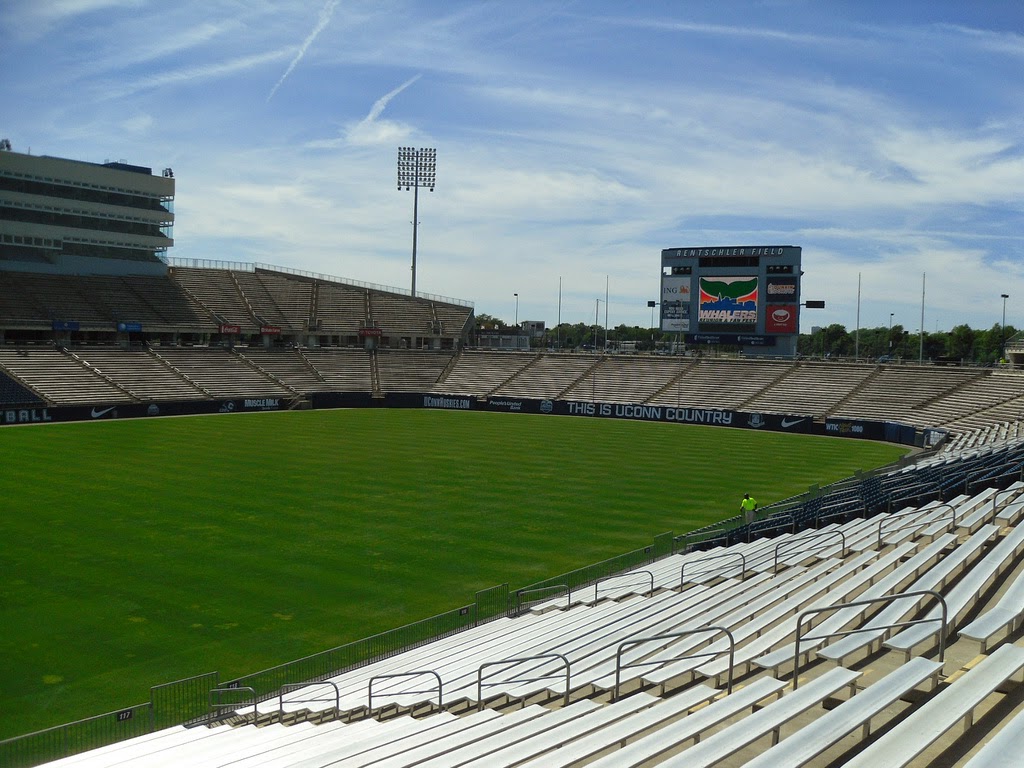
<point>714,417</point>
<point>663,413</point>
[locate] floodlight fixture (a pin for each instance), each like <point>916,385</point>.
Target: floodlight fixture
<point>417,167</point>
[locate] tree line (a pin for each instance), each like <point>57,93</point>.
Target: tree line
<point>959,344</point>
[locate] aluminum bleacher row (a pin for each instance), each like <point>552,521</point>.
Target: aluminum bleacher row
<point>886,641</point>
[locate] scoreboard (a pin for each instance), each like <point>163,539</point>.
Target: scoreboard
<point>746,296</point>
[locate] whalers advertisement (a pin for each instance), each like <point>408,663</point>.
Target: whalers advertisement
<point>728,302</point>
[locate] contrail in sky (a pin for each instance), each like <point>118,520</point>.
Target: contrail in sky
<point>325,18</point>
<point>380,104</point>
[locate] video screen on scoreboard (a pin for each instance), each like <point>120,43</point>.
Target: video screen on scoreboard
<point>728,304</point>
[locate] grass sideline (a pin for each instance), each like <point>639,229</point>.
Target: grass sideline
<point>139,552</point>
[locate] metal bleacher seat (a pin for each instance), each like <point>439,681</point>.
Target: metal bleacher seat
<point>669,736</point>
<point>1005,614</point>
<point>1005,748</point>
<point>963,597</point>
<point>582,744</point>
<point>838,621</point>
<point>540,735</point>
<point>934,578</point>
<point>856,712</point>
<point>926,724</point>
<point>717,747</point>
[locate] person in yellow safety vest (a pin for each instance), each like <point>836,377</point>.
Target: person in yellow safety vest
<point>748,506</point>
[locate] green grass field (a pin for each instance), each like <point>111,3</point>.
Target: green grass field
<point>139,552</point>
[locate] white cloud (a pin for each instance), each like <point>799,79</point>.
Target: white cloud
<point>138,123</point>
<point>370,130</point>
<point>572,145</point>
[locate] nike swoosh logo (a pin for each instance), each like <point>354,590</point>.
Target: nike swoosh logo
<point>96,413</point>
<point>787,423</point>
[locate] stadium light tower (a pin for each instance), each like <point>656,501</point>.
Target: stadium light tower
<point>416,168</point>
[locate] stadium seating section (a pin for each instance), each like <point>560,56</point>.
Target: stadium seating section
<point>785,651</point>
<point>874,622</point>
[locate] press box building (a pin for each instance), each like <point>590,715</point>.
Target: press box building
<point>71,217</point>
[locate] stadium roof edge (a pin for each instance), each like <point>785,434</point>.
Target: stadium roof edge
<point>242,266</point>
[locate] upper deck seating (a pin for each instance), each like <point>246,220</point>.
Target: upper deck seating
<point>452,317</point>
<point>340,309</point>
<point>263,303</point>
<point>401,315</point>
<point>218,293</point>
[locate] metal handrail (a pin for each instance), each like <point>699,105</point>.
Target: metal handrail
<point>504,662</point>
<point>776,524</point>
<point>869,601</point>
<point>913,491</point>
<point>995,499</point>
<point>369,687</point>
<point>217,708</point>
<point>712,535</point>
<point>671,636</point>
<point>289,687</point>
<point>890,517</point>
<point>804,539</point>
<point>824,515</point>
<point>563,587</point>
<point>740,555</point>
<point>622,576</point>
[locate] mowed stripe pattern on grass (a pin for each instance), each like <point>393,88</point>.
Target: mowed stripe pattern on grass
<point>138,552</point>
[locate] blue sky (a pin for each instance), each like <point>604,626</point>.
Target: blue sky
<point>575,140</point>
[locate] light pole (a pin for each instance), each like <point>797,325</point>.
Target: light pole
<point>1002,329</point>
<point>517,320</point>
<point>416,168</point>
<point>890,333</point>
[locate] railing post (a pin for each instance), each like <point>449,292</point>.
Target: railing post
<point>740,555</point>
<point>869,601</point>
<point>781,544</point>
<point>673,636</point>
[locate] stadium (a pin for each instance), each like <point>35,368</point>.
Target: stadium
<point>871,619</point>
